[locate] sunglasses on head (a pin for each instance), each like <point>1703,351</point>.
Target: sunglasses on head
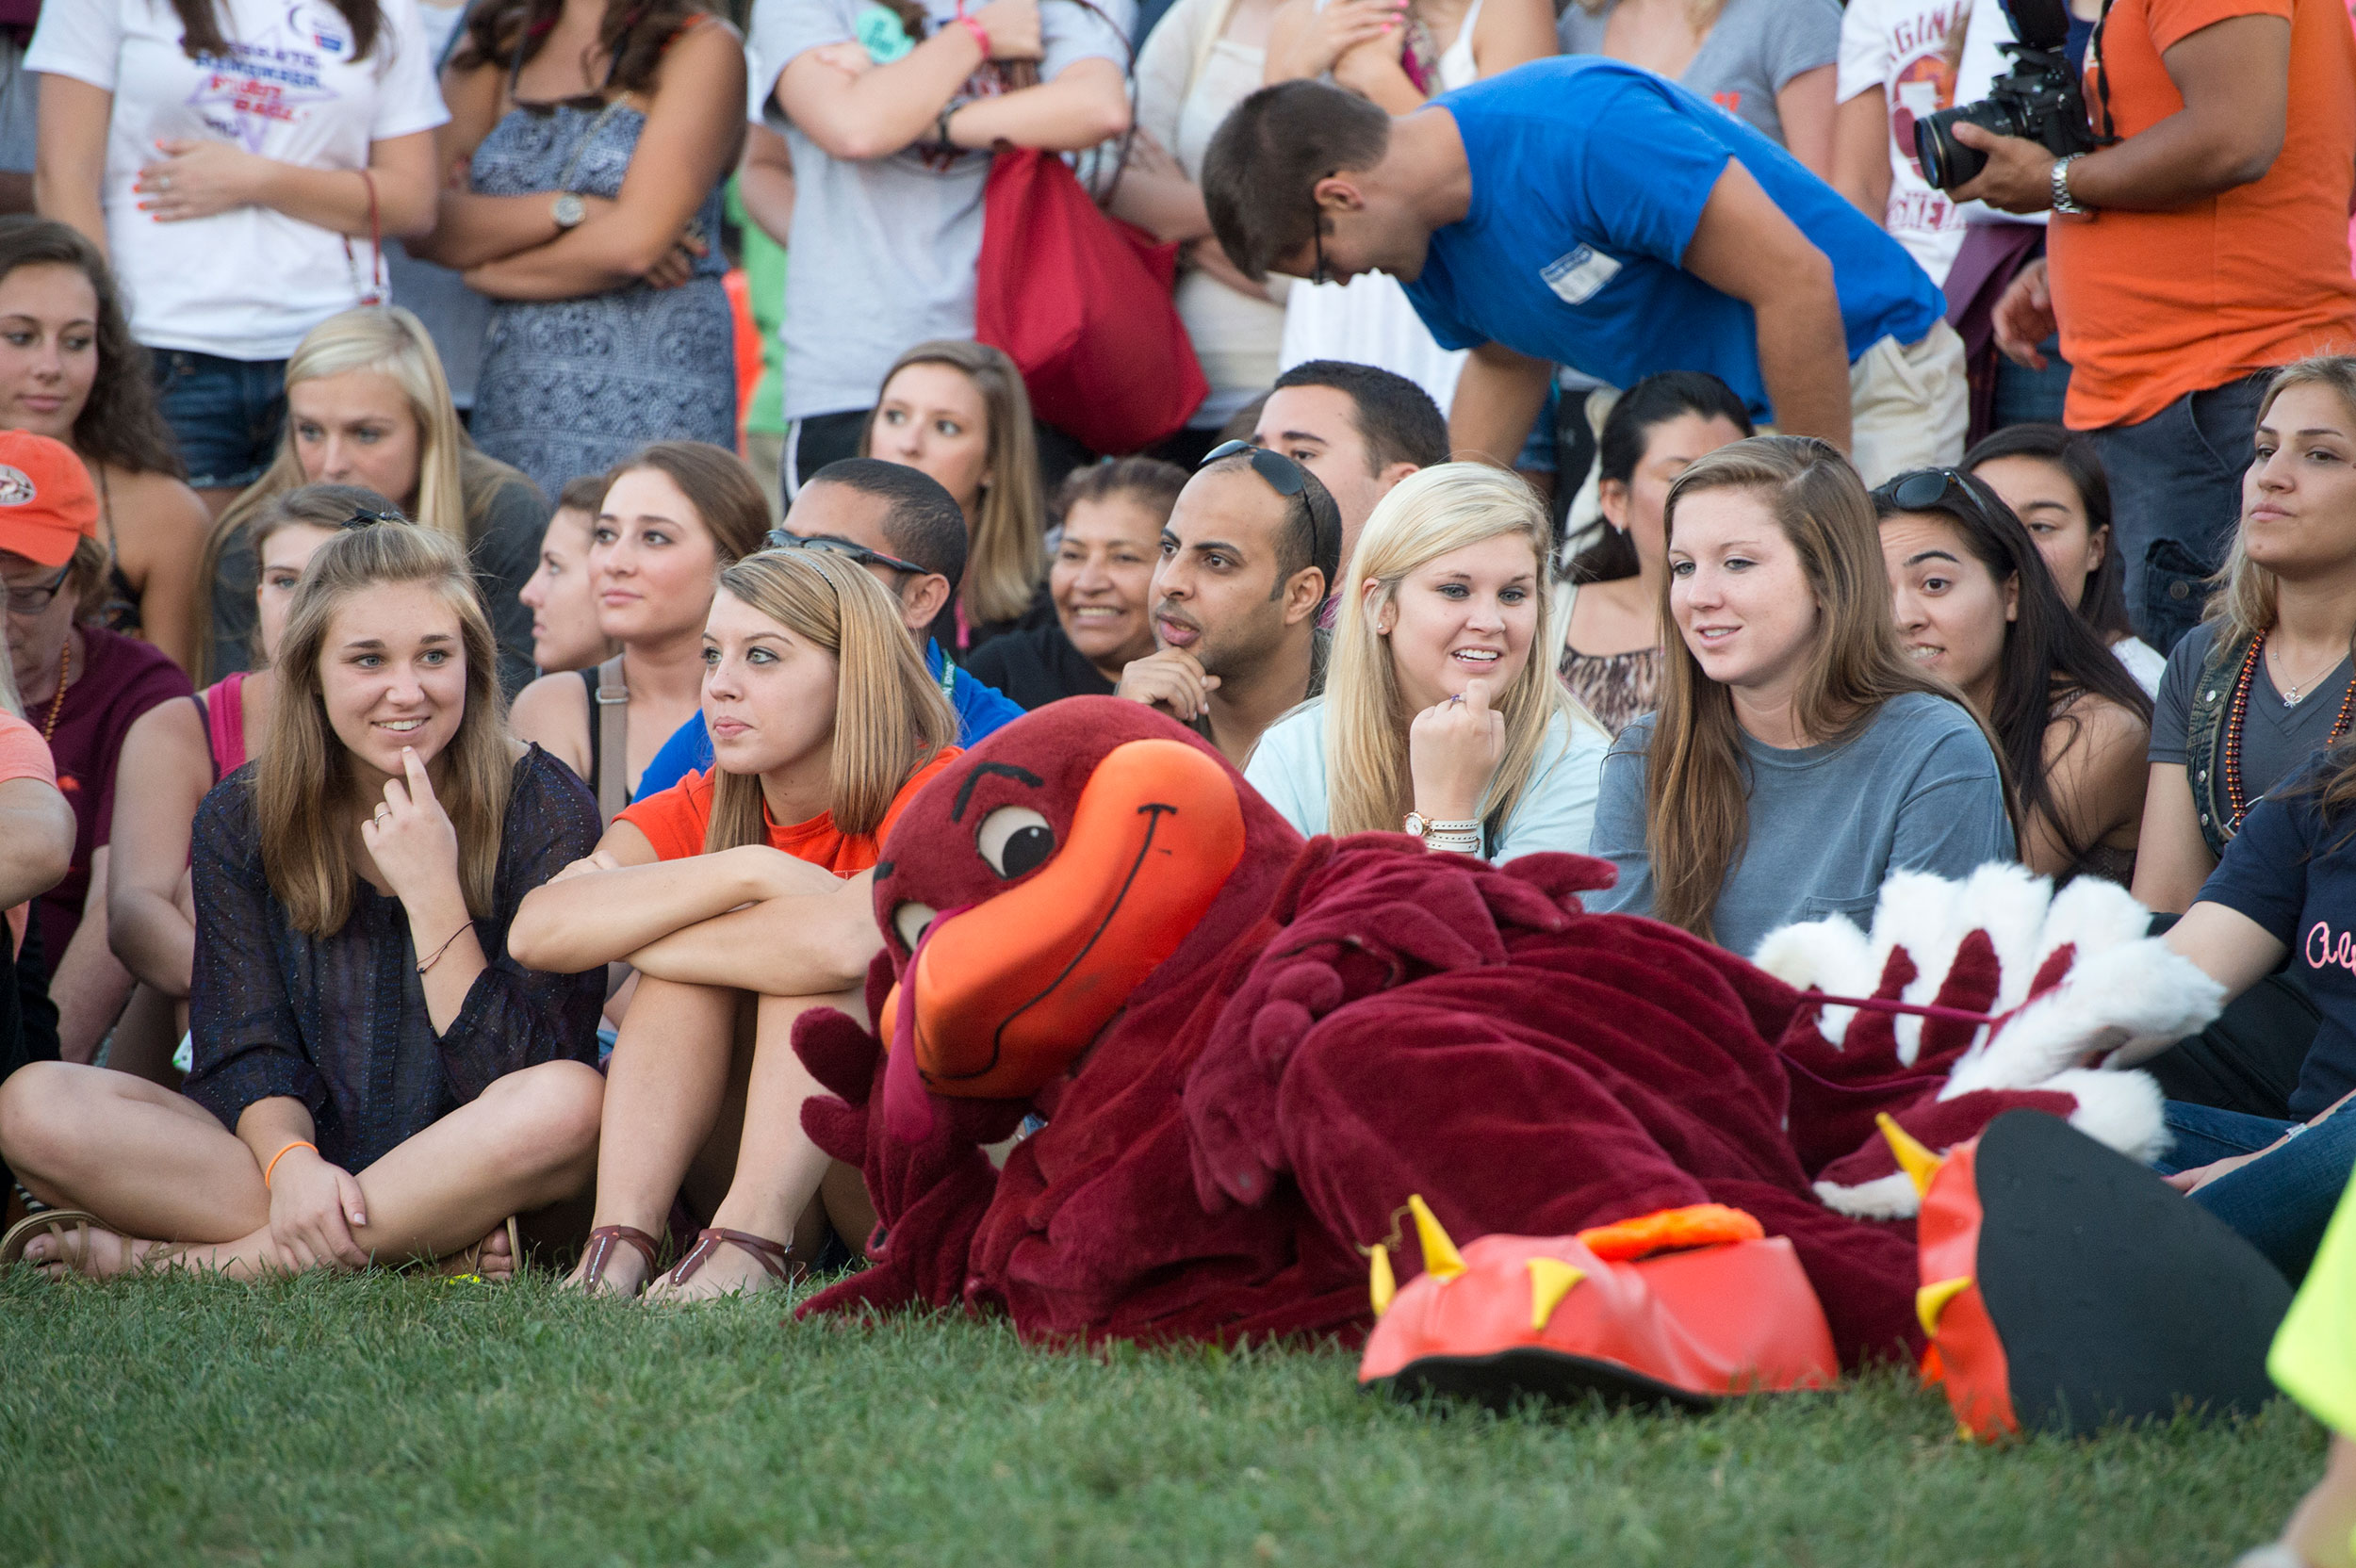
<point>1925,490</point>
<point>364,517</point>
<point>784,539</point>
<point>1285,477</point>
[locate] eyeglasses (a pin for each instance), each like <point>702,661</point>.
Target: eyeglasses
<point>781,539</point>
<point>32,601</point>
<point>1285,477</point>
<point>1925,490</point>
<point>363,518</point>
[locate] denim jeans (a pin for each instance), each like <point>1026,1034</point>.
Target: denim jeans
<point>2278,1204</point>
<point>226,414</point>
<point>2175,499</point>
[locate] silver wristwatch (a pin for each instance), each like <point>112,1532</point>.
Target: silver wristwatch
<point>568,209</point>
<point>2063,200</point>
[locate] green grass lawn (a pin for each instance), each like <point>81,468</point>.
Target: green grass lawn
<point>384,1419</point>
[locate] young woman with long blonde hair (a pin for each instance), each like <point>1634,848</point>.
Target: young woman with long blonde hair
<point>1799,757</point>
<point>957,411</point>
<point>1436,714</point>
<point>367,404</point>
<point>742,897</point>
<point>375,1077</point>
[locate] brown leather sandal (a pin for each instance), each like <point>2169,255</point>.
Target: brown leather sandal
<point>771,1256</point>
<point>601,1244</point>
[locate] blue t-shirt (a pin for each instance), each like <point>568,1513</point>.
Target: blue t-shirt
<point>2288,869</point>
<point>1588,179</point>
<point>981,710</point>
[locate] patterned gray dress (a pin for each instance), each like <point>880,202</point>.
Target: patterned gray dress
<point>572,386</point>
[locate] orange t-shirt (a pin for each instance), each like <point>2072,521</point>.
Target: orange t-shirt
<point>23,754</point>
<point>674,820</point>
<point>2156,304</point>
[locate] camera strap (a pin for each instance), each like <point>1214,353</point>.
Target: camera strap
<point>2106,134</point>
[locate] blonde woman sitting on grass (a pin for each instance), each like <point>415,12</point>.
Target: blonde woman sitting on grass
<point>1435,717</point>
<point>742,896</point>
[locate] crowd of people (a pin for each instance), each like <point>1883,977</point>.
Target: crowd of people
<point>445,744</point>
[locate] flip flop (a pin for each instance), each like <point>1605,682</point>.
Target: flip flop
<point>2065,1288</point>
<point>55,1223</point>
<point>773,1256</point>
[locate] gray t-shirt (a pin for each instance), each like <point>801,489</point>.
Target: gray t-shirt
<point>1749,54</point>
<point>884,250</point>
<point>2276,741</point>
<point>1918,790</point>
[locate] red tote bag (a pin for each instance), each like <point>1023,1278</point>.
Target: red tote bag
<point>1082,304</point>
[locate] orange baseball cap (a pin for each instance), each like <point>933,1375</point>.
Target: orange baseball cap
<point>46,503</point>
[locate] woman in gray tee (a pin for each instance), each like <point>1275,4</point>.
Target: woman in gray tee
<point>1769,63</point>
<point>1804,757</point>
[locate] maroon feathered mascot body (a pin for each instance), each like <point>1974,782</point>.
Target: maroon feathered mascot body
<point>1345,1023</point>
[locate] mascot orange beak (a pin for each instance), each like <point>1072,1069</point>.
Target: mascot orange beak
<point>1009,991</point>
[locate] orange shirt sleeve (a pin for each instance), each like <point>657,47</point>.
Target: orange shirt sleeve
<point>2171,21</point>
<point>917,781</point>
<point>674,820</point>
<point>23,755</point>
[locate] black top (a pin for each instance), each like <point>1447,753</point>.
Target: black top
<point>1036,667</point>
<point>2294,872</point>
<point>340,1022</point>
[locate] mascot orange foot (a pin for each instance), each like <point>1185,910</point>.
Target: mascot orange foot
<point>1248,1053</point>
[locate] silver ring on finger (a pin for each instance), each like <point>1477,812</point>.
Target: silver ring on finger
<point>163,182</point>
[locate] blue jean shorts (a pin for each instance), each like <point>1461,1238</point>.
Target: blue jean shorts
<point>226,414</point>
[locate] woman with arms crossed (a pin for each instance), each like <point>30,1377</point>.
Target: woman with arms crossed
<point>1799,755</point>
<point>742,897</point>
<point>375,1077</point>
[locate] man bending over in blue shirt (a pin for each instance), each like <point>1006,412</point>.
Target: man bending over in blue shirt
<point>1584,212</point>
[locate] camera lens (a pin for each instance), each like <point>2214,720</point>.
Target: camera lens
<point>1946,162</point>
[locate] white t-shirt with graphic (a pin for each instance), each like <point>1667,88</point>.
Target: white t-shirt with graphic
<point>249,283</point>
<point>1909,49</point>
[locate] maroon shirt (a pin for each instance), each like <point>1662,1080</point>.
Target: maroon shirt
<point>118,681</point>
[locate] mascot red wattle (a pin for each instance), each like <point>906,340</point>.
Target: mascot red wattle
<point>1249,1053</point>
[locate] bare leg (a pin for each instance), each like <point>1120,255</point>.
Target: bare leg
<point>2319,1529</point>
<point>144,1038</point>
<point>665,1088</point>
<point>151,1164</point>
<point>778,1171</point>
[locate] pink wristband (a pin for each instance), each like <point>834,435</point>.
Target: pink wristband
<point>981,34</point>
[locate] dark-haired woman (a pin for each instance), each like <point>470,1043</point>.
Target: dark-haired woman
<point>375,1078</point>
<point>892,111</point>
<point>1799,757</point>
<point>69,370</point>
<point>1109,539</point>
<point>595,135</point>
<point>744,897</point>
<point>2053,479</point>
<point>240,161</point>
<point>1611,646</point>
<point>1975,604</point>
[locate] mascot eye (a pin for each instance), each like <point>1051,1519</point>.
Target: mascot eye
<point>1014,840</point>
<point>910,921</point>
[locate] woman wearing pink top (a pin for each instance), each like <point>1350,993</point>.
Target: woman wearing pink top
<point>179,750</point>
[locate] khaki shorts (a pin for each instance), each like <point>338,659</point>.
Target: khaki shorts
<point>1909,407</point>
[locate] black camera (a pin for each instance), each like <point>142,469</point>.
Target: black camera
<point>2039,99</point>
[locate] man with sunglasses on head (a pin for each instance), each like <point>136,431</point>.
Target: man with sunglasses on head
<point>1249,555</point>
<point>1583,211</point>
<point>908,532</point>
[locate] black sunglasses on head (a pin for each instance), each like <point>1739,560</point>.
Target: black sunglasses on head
<point>1925,490</point>
<point>363,518</point>
<point>783,539</point>
<point>1285,477</point>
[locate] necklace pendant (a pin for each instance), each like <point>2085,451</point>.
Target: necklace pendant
<point>2290,698</point>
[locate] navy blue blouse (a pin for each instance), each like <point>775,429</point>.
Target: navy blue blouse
<point>340,1022</point>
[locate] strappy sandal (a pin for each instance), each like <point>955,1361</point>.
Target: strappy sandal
<point>601,1244</point>
<point>56,1222</point>
<point>771,1256</point>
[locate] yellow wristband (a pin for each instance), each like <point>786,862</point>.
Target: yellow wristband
<point>298,1143</point>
